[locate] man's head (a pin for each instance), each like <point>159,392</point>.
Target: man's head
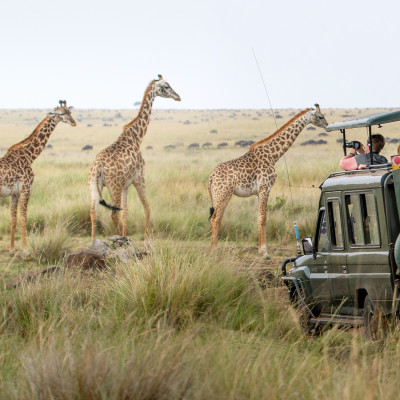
<point>378,142</point>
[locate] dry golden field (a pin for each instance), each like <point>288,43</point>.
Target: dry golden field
<point>183,322</point>
<point>177,177</point>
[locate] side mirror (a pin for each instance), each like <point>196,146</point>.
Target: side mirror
<point>308,247</point>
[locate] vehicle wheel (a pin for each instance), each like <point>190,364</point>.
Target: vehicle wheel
<point>304,318</point>
<point>374,321</point>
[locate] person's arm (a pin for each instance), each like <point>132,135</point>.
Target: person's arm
<point>349,163</point>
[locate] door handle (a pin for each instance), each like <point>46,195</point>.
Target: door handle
<point>344,269</point>
<point>325,269</point>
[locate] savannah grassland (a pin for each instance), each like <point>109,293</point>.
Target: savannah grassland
<point>183,322</point>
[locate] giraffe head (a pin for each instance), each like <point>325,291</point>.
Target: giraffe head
<point>317,118</point>
<point>64,113</point>
<point>163,89</point>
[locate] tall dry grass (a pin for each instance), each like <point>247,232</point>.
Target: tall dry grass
<point>181,323</point>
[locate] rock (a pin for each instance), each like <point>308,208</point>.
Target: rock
<point>99,246</point>
<point>85,259</point>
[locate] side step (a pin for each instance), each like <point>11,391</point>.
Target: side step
<point>324,319</point>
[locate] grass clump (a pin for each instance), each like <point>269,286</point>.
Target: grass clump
<point>177,288</point>
<point>49,244</point>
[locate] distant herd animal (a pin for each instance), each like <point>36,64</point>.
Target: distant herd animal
<point>121,164</point>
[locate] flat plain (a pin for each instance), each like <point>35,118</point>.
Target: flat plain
<point>183,322</point>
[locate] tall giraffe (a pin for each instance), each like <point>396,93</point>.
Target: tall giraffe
<point>16,174</point>
<point>121,164</point>
<point>254,172</point>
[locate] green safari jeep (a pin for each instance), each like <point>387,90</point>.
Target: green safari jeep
<point>349,274</point>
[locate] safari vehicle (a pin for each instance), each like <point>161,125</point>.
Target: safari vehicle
<point>349,273</point>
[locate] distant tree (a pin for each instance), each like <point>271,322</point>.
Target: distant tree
<point>137,103</point>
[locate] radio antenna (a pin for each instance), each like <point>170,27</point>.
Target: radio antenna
<point>284,158</point>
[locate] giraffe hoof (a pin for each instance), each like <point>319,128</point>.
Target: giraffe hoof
<point>267,257</point>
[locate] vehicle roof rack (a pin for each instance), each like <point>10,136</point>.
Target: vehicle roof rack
<point>371,168</point>
<point>365,120</point>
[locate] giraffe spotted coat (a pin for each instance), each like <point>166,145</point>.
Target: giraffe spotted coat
<point>16,174</point>
<point>254,172</point>
<point>121,164</point>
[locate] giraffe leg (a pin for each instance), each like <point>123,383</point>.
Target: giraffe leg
<point>116,195</point>
<point>141,191</point>
<point>124,210</point>
<point>13,224</point>
<point>262,217</point>
<point>93,217</point>
<point>23,210</point>
<point>221,202</point>
<point>94,200</point>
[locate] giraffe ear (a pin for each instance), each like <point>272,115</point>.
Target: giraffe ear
<point>160,77</point>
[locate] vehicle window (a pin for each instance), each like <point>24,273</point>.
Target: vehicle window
<point>371,219</point>
<point>362,219</point>
<point>335,223</point>
<point>323,240</point>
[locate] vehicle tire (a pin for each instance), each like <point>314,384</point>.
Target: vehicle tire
<point>304,319</point>
<point>374,322</point>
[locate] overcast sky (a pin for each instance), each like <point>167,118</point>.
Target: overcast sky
<point>102,54</point>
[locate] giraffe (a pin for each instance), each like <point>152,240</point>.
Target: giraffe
<point>16,174</point>
<point>254,172</point>
<point>121,164</point>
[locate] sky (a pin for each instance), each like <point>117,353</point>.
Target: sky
<point>102,54</point>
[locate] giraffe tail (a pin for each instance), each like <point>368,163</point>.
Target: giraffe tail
<point>104,204</point>
<point>102,201</point>
<point>212,209</point>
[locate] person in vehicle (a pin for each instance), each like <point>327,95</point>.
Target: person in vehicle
<point>363,158</point>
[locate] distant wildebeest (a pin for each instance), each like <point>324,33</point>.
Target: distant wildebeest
<point>87,147</point>
<point>169,147</point>
<point>193,146</point>
<point>206,145</point>
<point>221,145</point>
<point>213,131</point>
<point>312,142</point>
<point>244,143</point>
<point>149,148</point>
<point>240,143</point>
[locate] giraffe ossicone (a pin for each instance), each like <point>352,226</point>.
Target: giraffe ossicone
<point>16,174</point>
<point>254,172</point>
<point>121,164</point>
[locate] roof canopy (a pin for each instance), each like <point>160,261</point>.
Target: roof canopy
<point>365,120</point>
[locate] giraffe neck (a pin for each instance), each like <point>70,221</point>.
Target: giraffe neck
<point>279,143</point>
<point>33,145</point>
<point>138,126</point>
<point>286,138</point>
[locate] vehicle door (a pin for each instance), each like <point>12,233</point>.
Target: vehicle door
<point>367,260</point>
<point>338,273</point>
<point>319,277</point>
